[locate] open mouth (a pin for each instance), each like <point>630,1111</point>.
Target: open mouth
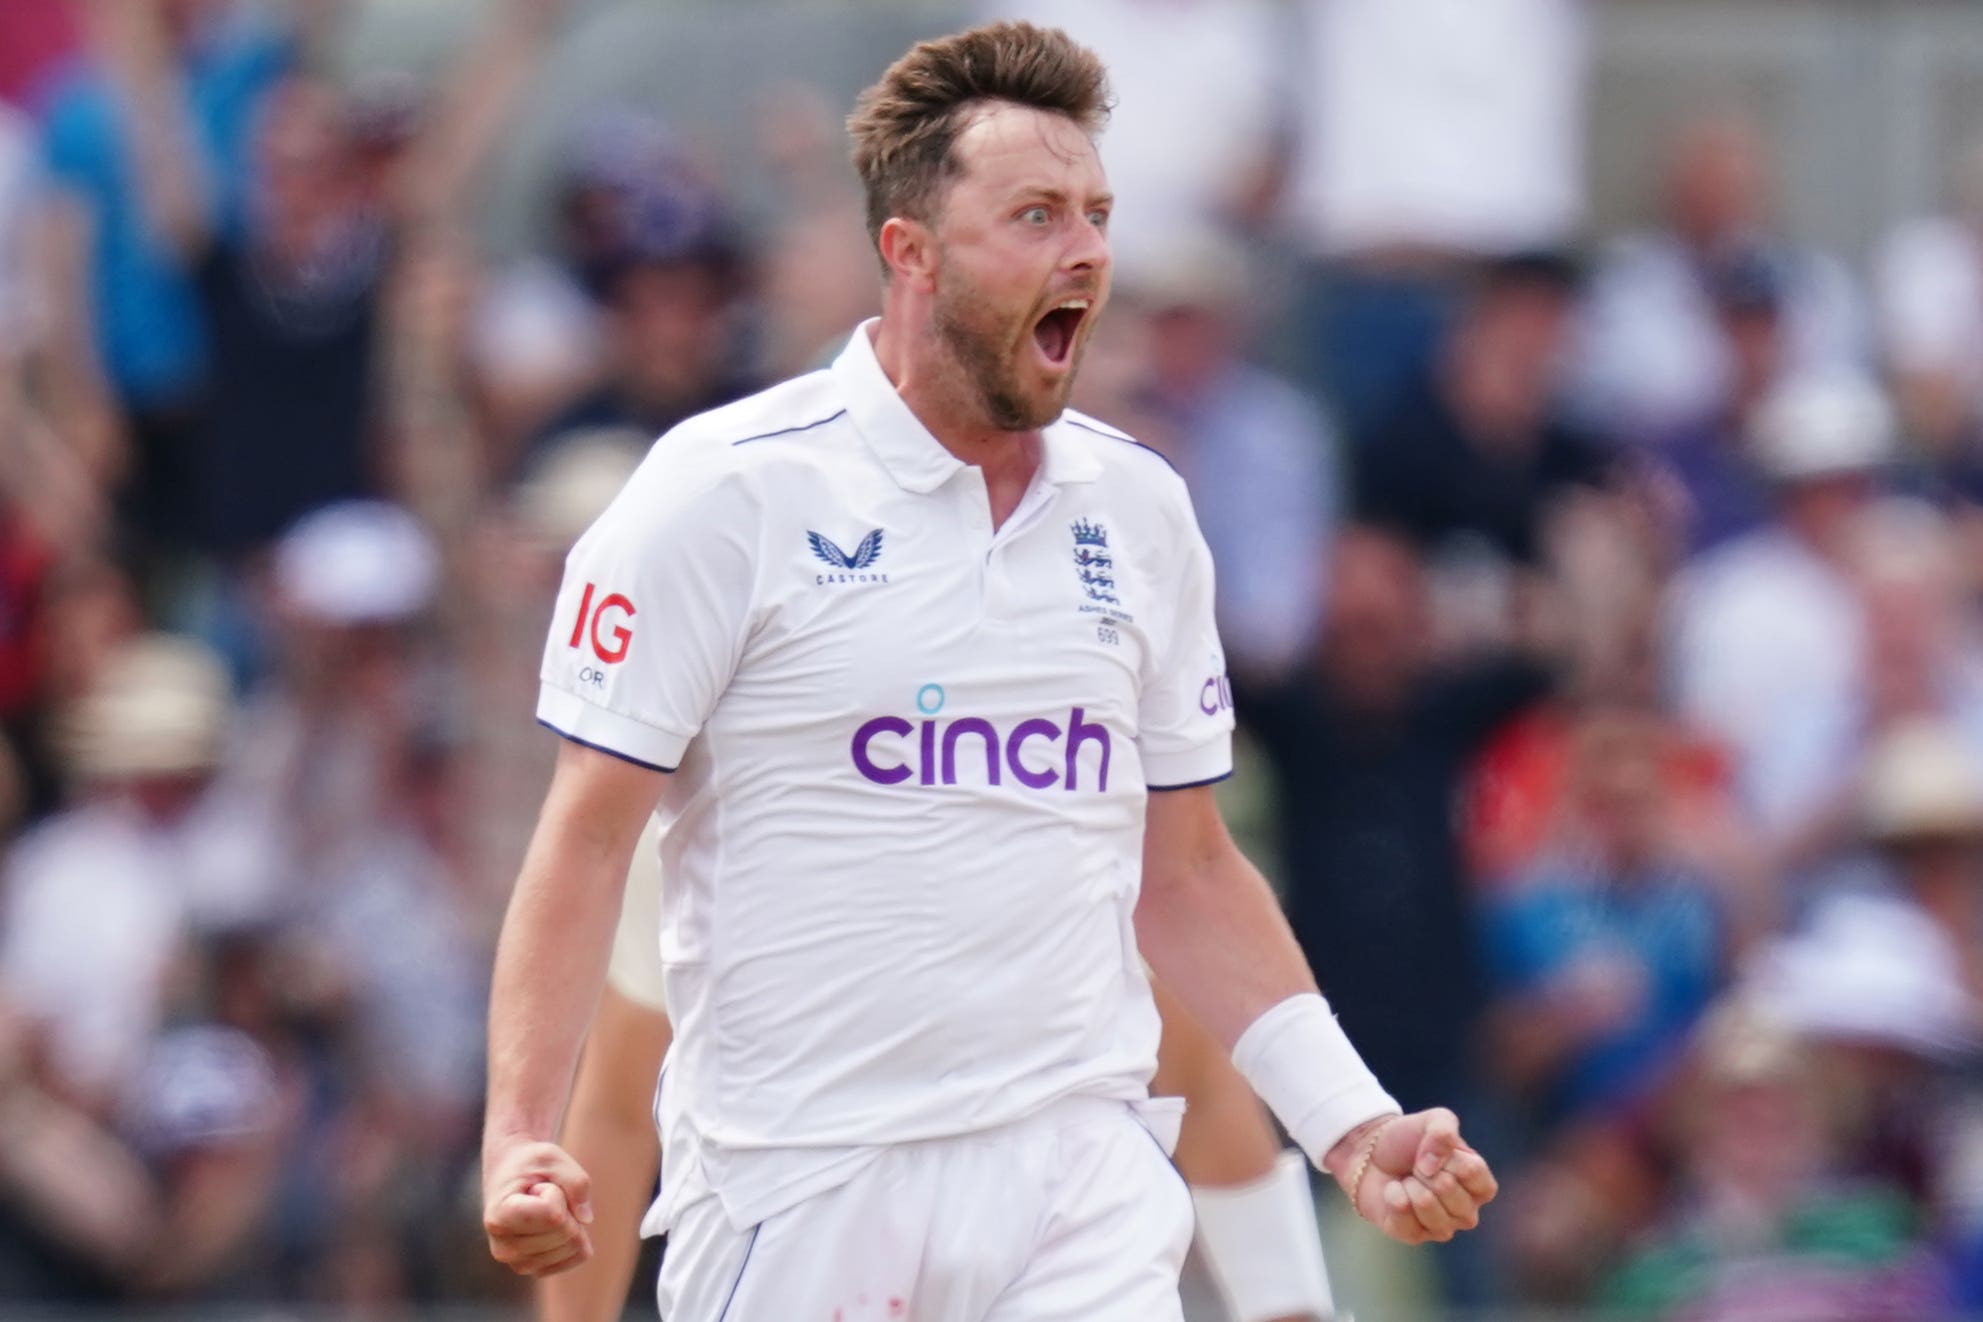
<point>1055,331</point>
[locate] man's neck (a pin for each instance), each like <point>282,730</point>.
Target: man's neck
<point>935,392</point>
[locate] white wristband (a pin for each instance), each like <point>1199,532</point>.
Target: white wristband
<point>1262,1247</point>
<point>1301,1064</point>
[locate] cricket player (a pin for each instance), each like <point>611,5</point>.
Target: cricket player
<point>920,669</point>
<point>1256,1224</point>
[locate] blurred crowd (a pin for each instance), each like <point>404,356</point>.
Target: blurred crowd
<point>1605,612</point>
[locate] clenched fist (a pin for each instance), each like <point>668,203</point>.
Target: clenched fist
<point>536,1207</point>
<point>1413,1176</point>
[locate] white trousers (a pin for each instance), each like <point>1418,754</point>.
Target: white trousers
<point>1075,1215</point>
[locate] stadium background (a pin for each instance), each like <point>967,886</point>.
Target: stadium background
<point>1583,401</point>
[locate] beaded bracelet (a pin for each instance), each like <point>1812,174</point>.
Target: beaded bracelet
<point>1363,1166</point>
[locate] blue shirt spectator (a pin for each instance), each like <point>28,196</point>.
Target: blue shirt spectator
<point>1645,950</point>
<point>1606,952</point>
<point>147,324</point>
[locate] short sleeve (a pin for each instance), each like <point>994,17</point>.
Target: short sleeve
<point>1185,718</point>
<point>652,615</point>
<point>635,968</point>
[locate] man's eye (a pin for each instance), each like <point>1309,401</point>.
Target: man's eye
<point>1099,219</point>
<point>1035,215</point>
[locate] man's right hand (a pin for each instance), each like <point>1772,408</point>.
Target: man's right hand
<point>537,1205</point>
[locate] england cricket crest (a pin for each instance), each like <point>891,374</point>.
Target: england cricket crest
<point>1096,568</point>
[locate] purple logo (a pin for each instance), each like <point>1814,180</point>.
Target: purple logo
<point>1215,695</point>
<point>1037,753</point>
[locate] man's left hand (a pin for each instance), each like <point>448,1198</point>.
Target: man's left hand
<point>1421,1181</point>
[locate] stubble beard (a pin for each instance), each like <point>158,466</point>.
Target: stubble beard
<point>987,355</point>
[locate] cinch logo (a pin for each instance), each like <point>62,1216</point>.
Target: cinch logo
<point>1037,753</point>
<point>1215,696</point>
<point>622,637</point>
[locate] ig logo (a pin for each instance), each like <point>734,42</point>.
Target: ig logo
<point>610,637</point>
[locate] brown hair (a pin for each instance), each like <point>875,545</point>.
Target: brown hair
<point>904,125</point>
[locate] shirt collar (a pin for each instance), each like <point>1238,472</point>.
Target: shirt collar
<point>914,458</point>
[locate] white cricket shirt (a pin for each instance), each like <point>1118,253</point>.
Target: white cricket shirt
<point>903,836</point>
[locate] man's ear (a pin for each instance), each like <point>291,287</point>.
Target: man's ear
<point>908,250</point>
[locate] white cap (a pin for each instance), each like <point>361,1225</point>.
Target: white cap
<point>1821,426</point>
<point>1869,970</point>
<point>158,708</point>
<point>1922,779</point>
<point>358,562</point>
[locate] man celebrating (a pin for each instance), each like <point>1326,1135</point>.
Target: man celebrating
<point>920,668</point>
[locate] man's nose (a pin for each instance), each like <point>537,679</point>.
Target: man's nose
<point>1088,252</point>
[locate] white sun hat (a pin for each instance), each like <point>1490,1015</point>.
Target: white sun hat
<point>1868,969</point>
<point>1827,425</point>
<point>357,562</point>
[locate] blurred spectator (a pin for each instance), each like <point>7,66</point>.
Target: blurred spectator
<point>482,357</point>
<point>1656,357</point>
<point>816,269</point>
<point>1769,631</point>
<point>351,584</point>
<point>535,344</point>
<point>1368,752</point>
<point>291,305</point>
<point>148,141</point>
<point>1183,154</point>
<point>1431,133</point>
<point>205,1116</point>
<point>1924,641</point>
<point>1929,282</point>
<point>1608,949</point>
<point>1877,989</point>
<point>354,755</point>
<point>658,250</point>
<point>100,900</point>
<point>1721,491</point>
<point>1764,1225</point>
<point>1259,457</point>
<point>1923,809</point>
<point>354,739</point>
<point>1894,983</point>
<point>512,576</point>
<point>77,1206</point>
<point>1476,461</point>
<point>58,430</point>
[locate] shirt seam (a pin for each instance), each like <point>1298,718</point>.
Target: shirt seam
<point>793,430</point>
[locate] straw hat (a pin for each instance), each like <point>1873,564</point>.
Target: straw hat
<point>159,708</point>
<point>1922,782</point>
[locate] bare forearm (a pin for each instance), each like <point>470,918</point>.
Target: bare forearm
<point>171,174</point>
<point>1215,935</point>
<point>475,102</point>
<point>550,964</point>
